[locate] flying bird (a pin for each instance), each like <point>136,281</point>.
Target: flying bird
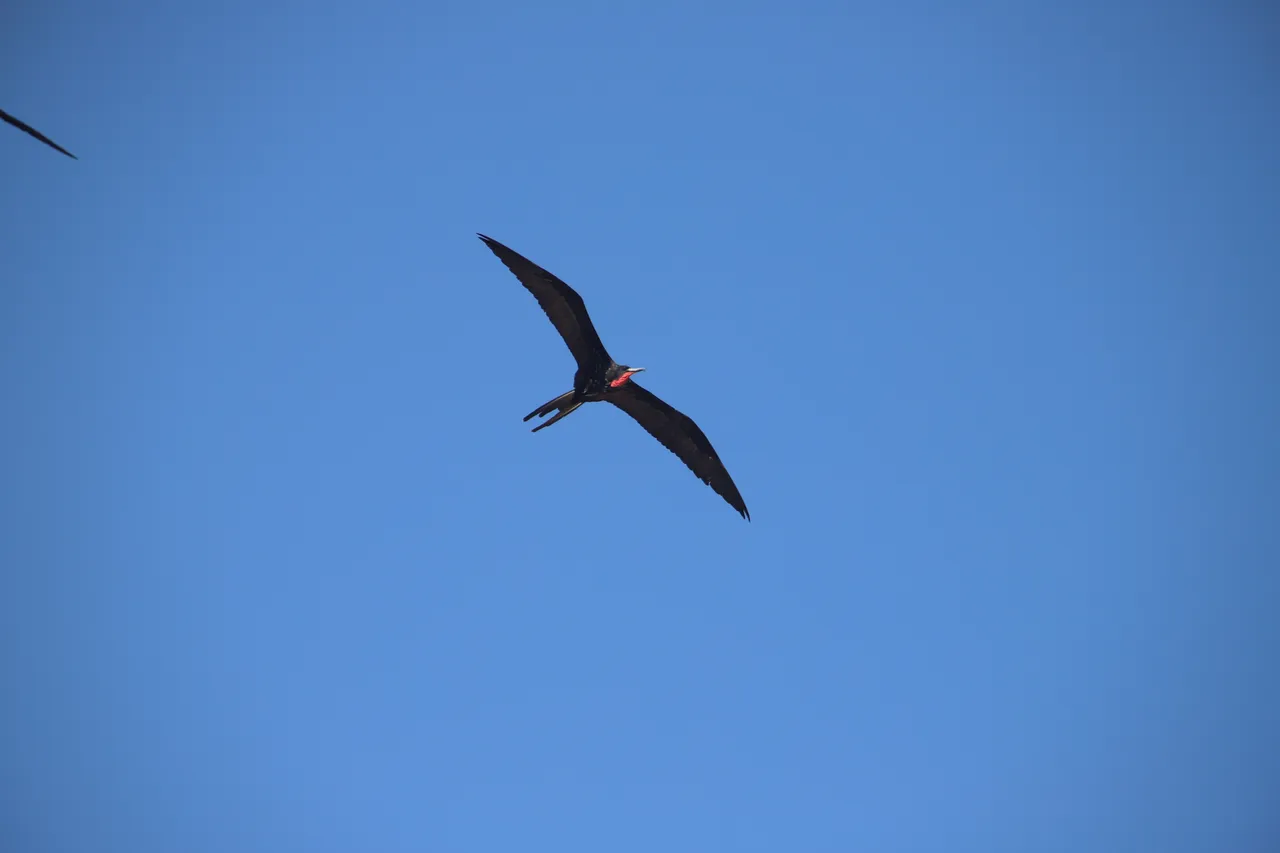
<point>599,378</point>
<point>21,125</point>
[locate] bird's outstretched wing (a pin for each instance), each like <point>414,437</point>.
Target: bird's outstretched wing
<point>562,305</point>
<point>21,125</point>
<point>679,434</point>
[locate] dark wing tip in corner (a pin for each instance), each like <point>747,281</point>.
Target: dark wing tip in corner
<point>31,131</point>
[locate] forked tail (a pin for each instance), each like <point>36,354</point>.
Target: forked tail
<point>564,403</point>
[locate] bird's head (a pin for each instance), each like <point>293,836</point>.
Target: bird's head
<point>624,375</point>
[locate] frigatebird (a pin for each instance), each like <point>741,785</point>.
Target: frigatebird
<point>599,378</point>
<point>21,125</point>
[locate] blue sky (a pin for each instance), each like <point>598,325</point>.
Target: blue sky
<point>976,301</point>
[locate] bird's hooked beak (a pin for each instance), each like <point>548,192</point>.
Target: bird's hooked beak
<point>633,370</point>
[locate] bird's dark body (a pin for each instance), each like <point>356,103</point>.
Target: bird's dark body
<point>26,128</point>
<point>601,379</point>
<point>594,385</point>
<point>589,386</point>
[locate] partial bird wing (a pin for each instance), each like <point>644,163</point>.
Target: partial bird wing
<point>562,305</point>
<point>679,434</point>
<point>20,125</point>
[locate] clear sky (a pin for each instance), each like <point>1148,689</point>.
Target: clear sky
<point>978,303</point>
